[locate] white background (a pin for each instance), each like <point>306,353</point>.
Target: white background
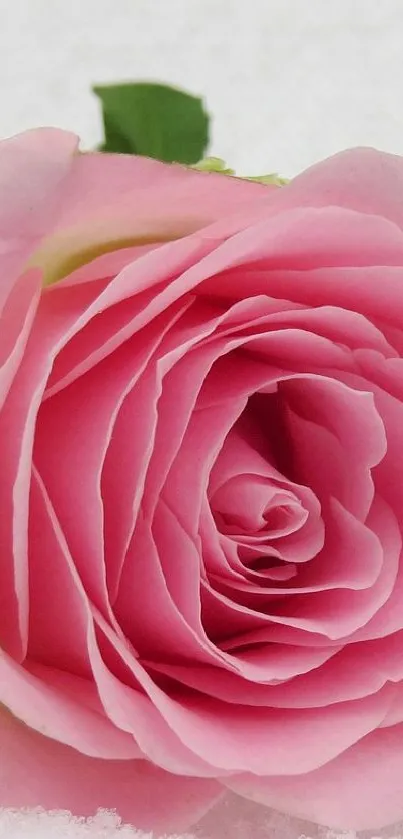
<point>287,82</point>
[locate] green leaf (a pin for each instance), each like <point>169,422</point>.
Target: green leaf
<point>154,120</point>
<point>213,164</point>
<point>216,164</point>
<point>272,180</point>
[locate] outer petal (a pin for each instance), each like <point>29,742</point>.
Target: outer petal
<point>33,167</point>
<point>360,789</point>
<point>36,771</point>
<point>64,707</point>
<point>112,201</point>
<point>362,179</point>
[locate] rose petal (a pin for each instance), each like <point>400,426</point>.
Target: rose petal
<point>322,407</point>
<point>156,625</point>
<point>33,170</point>
<point>126,708</point>
<point>56,319</point>
<point>19,311</point>
<point>262,739</point>
<point>58,620</point>
<point>278,663</point>
<point>361,179</point>
<point>36,770</point>
<point>72,717</point>
<point>329,675</point>
<point>282,249</point>
<point>114,201</point>
<point>360,789</point>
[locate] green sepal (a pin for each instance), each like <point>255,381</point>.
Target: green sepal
<point>153,120</point>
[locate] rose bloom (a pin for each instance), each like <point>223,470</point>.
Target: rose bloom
<point>201,449</point>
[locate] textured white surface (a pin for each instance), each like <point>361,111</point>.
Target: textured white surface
<point>287,81</point>
<point>42,825</point>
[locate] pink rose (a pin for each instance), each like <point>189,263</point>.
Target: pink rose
<point>201,432</point>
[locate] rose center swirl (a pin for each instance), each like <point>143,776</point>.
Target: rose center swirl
<point>296,458</point>
<point>260,513</point>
